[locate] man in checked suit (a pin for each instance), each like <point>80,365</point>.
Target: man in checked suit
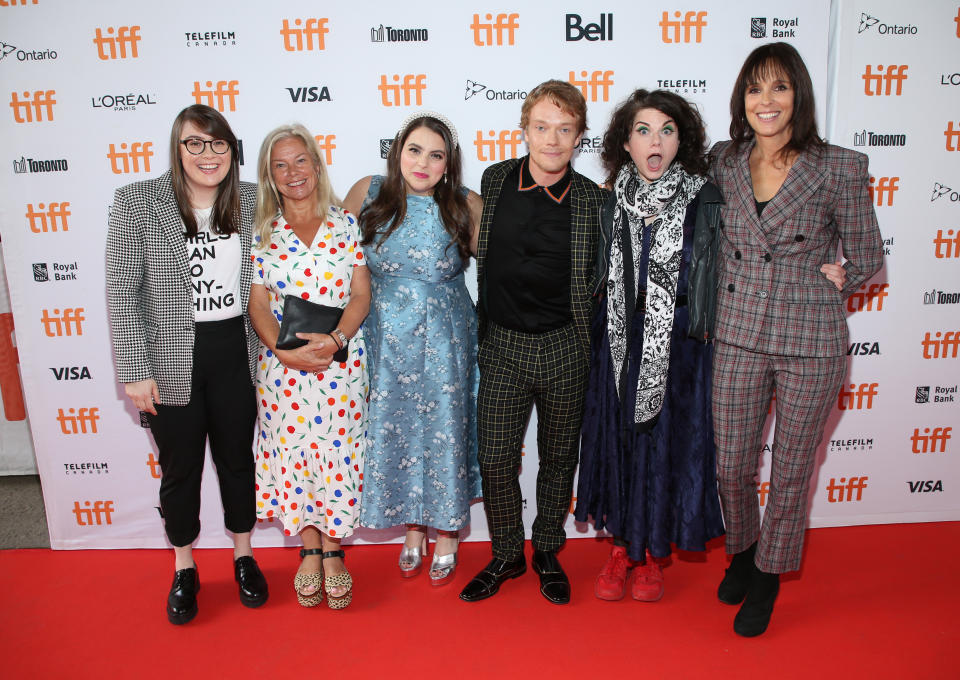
<point>536,246</point>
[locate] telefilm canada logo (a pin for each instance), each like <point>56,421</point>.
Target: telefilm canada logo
<point>219,38</point>
<point>783,27</point>
<point>869,22</point>
<point>33,165</point>
<point>478,91</point>
<point>383,33</point>
<point>86,468</point>
<point>851,444</point>
<point>687,85</point>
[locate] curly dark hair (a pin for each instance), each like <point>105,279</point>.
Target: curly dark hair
<point>386,212</point>
<point>778,59</point>
<point>693,138</point>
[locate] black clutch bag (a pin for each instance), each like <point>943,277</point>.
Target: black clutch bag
<point>303,316</point>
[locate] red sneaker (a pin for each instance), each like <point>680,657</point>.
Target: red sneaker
<point>647,583</point>
<point>612,581</point>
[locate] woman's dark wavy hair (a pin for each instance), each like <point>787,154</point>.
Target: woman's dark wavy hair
<point>226,209</point>
<point>775,60</point>
<point>691,154</point>
<point>386,212</point>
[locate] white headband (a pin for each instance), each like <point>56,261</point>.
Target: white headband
<point>430,114</point>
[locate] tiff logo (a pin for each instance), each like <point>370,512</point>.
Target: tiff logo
<point>882,82</point>
<point>154,465</point>
<point>956,19</point>
<point>499,146</point>
<point>310,37</point>
<point>930,443</point>
<point>224,90</point>
<point>14,3</point>
<point>55,212</point>
<point>82,422</point>
<point>99,514</point>
<point>327,145</point>
<point>57,325</point>
<point>866,391</point>
<point>885,186</point>
<point>857,484</point>
<point>863,302</point>
<point>112,46</point>
<point>670,28</point>
<point>941,345</point>
<point>28,111</point>
<point>123,161</point>
<point>399,93</point>
<point>953,137</point>
<point>484,33</point>
<point>946,246</point>
<point>590,86</point>
<point>763,490</point>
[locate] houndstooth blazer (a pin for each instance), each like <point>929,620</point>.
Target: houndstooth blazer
<point>149,291</point>
<point>772,297</point>
<point>586,199</point>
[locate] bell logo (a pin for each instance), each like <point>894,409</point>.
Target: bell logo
<point>886,185</point>
<point>326,144</point>
<point>112,46</point>
<point>56,212</point>
<point>224,90</point>
<point>310,37</point>
<point>930,443</point>
<point>864,302</point>
<point>154,465</point>
<point>670,28</point>
<point>398,94</point>
<point>78,421</point>
<point>941,345</point>
<point>865,391</point>
<point>591,32</point>
<point>591,86</point>
<point>763,490</point>
<point>881,83</point>
<point>97,515</point>
<point>953,137</point>
<point>123,161</point>
<point>854,484</point>
<point>946,246</point>
<point>484,33</point>
<point>32,111</point>
<point>500,146</point>
<point>57,325</point>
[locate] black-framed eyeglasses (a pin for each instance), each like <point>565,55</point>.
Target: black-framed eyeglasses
<point>195,145</point>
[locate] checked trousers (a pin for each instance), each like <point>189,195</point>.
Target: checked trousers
<point>806,389</point>
<point>518,370</point>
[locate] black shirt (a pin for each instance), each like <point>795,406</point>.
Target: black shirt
<point>527,282</point>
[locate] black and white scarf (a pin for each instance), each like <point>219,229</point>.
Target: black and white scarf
<point>661,204</point>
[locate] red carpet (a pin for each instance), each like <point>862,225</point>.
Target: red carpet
<point>871,602</point>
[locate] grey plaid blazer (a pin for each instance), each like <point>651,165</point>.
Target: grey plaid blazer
<point>586,199</point>
<point>148,287</point>
<point>772,297</point>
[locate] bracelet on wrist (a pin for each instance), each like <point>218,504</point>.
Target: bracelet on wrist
<point>335,340</point>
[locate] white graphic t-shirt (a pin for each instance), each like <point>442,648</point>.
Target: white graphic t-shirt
<point>214,263</point>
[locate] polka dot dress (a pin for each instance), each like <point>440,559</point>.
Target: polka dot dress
<point>312,428</point>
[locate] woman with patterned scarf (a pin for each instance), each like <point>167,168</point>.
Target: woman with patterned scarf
<point>647,467</point>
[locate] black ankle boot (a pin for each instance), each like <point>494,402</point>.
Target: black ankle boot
<point>736,580</point>
<point>754,614</point>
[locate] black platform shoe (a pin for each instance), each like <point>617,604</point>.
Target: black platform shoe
<point>754,615</point>
<point>182,600</point>
<point>253,586</point>
<point>736,580</point>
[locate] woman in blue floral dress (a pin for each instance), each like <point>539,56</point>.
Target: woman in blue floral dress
<point>418,224</point>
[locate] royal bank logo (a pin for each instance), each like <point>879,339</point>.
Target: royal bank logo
<point>942,394</point>
<point>683,85</point>
<point>122,102</point>
<point>86,469</point>
<point>869,23</point>
<point>481,92</point>
<point>385,145</point>
<point>758,27</point>
<point>868,138</point>
<point>40,273</point>
<point>783,27</point>
<point>392,34</point>
<point>25,55</point>
<point>210,38</point>
<point>33,165</point>
<point>62,271</point>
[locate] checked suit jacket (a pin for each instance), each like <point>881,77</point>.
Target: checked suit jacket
<point>772,297</point>
<point>586,199</point>
<point>149,290</point>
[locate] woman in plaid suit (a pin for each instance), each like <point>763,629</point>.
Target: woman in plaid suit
<point>790,198</point>
<point>178,280</point>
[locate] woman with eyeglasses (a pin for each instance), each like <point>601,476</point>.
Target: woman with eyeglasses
<point>178,282</point>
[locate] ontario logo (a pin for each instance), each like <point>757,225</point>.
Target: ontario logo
<point>869,22</point>
<point>481,91</point>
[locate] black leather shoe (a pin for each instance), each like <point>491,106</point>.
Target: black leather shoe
<point>487,582</point>
<point>736,580</point>
<point>553,582</point>
<point>754,615</point>
<point>253,586</point>
<point>182,600</point>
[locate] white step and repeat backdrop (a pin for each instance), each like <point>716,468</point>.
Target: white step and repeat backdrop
<point>91,90</point>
